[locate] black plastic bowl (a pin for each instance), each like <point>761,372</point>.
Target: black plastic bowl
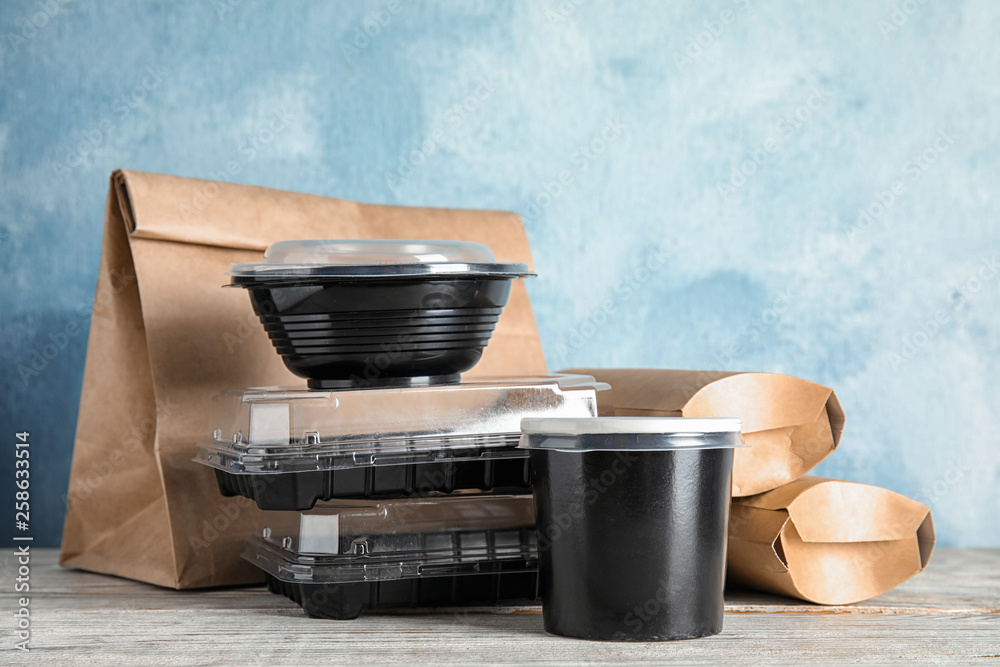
<point>378,312</point>
<point>359,332</point>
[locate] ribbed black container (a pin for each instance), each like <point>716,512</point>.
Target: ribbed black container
<point>379,331</point>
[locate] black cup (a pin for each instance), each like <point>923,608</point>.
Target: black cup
<point>632,527</point>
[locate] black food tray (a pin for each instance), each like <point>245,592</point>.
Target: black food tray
<point>300,490</point>
<point>346,601</point>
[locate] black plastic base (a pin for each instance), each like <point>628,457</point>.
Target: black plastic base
<point>343,602</point>
<point>300,491</point>
<point>382,382</point>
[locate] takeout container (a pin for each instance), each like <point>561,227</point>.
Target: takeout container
<point>343,558</point>
<point>378,312</point>
<point>288,448</point>
<point>631,514</point>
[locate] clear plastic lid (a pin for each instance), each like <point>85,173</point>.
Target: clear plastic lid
<point>274,430</point>
<point>370,527</point>
<point>372,541</point>
<point>630,433</point>
<point>365,258</point>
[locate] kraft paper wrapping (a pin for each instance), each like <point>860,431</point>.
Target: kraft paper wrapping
<point>166,337</point>
<point>827,541</point>
<point>790,424</point>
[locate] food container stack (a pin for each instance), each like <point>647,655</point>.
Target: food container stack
<point>389,481</point>
<point>350,556</point>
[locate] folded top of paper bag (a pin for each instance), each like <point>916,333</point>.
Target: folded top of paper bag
<point>789,423</point>
<point>830,510</point>
<point>828,541</point>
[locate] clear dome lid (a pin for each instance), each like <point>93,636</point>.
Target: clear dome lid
<point>394,541</point>
<point>389,257</point>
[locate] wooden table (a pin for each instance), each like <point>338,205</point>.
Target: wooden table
<point>948,614</point>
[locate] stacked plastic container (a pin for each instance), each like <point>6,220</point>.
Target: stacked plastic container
<point>389,481</point>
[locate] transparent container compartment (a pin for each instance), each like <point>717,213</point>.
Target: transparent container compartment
<point>348,556</point>
<point>286,449</point>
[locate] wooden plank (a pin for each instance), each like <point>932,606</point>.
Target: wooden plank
<point>956,581</point>
<point>950,614</point>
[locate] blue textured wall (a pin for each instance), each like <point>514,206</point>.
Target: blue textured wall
<point>731,146</point>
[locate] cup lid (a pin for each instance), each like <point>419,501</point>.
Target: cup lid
<point>628,425</point>
<point>347,258</point>
<point>650,433</point>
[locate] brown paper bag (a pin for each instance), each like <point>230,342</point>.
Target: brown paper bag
<point>828,541</point>
<point>165,338</point>
<point>790,424</point>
